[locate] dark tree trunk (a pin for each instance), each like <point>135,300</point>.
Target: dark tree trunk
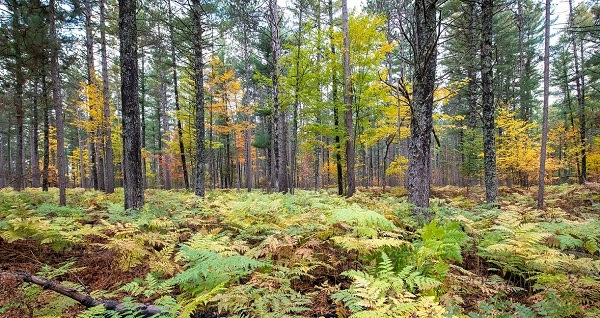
<point>545,110</point>
<point>109,174</point>
<point>57,98</point>
<point>143,112</point>
<point>46,161</point>
<point>18,100</point>
<point>350,173</point>
<point>279,113</point>
<point>186,179</point>
<point>247,137</point>
<point>421,122</point>
<point>336,116</point>
<point>35,160</point>
<point>133,182</point>
<point>97,180</point>
<point>487,88</point>
<point>199,102</point>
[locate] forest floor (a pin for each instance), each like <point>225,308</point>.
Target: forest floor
<point>312,254</point>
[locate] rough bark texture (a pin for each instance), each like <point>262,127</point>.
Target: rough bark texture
<point>247,137</point>
<point>336,116</point>
<point>350,173</point>
<point>186,179</point>
<point>57,98</point>
<point>545,110</point>
<point>487,88</point>
<point>46,161</point>
<point>18,100</point>
<point>199,102</point>
<point>133,183</point>
<point>164,121</point>
<point>278,112</point>
<point>35,164</point>
<point>421,122</point>
<point>97,178</point>
<point>109,174</point>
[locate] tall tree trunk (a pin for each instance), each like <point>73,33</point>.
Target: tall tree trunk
<point>163,120</point>
<point>2,161</point>
<point>133,182</point>
<point>92,142</point>
<point>199,101</point>
<point>582,128</point>
<point>143,113</point>
<point>421,122</point>
<point>350,173</point>
<point>247,137</point>
<point>294,149</point>
<point>35,160</point>
<point>336,116</point>
<point>109,174</point>
<point>18,100</point>
<point>487,88</point>
<point>46,161</point>
<point>57,98</point>
<point>186,179</point>
<point>580,97</point>
<point>279,113</point>
<point>545,110</point>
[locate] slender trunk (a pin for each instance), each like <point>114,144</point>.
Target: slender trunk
<point>143,113</point>
<point>92,142</point>
<point>570,107</point>
<point>163,120</point>
<point>81,163</point>
<point>294,151</point>
<point>247,138</point>
<point>46,161</point>
<point>279,113</point>
<point>336,117</point>
<point>133,182</point>
<point>199,101</point>
<point>18,100</point>
<point>186,179</point>
<point>109,174</point>
<point>35,161</point>
<point>545,110</point>
<point>579,87</point>
<point>487,88</point>
<point>57,98</point>
<point>421,123</point>
<point>582,128</point>
<point>350,173</point>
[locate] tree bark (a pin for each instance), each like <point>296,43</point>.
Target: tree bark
<point>35,160</point>
<point>57,98</point>
<point>350,173</point>
<point>580,97</point>
<point>133,183</point>
<point>18,100</point>
<point>421,123</point>
<point>541,184</point>
<point>186,178</point>
<point>336,116</point>
<point>279,113</point>
<point>46,161</point>
<point>487,88</point>
<point>109,177</point>
<point>199,188</point>
<point>247,137</point>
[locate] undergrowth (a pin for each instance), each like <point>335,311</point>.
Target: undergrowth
<point>304,255</point>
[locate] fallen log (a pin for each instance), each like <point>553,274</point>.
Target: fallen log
<point>145,310</point>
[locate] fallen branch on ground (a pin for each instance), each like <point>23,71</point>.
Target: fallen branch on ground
<point>146,310</point>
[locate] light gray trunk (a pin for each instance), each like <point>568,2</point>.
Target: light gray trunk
<point>545,110</point>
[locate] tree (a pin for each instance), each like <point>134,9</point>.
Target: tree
<point>199,99</point>
<point>57,99</point>
<point>350,174</point>
<point>540,198</point>
<point>133,183</point>
<point>488,108</point>
<point>109,178</point>
<point>421,123</point>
